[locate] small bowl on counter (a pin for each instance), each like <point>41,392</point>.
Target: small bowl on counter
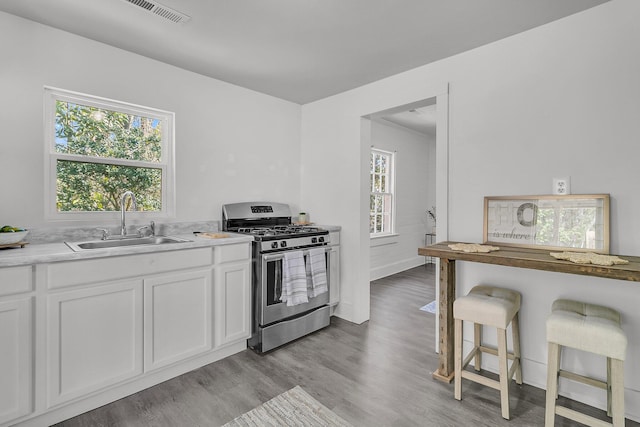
<point>13,237</point>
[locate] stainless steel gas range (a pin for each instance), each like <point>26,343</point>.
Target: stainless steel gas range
<point>274,322</point>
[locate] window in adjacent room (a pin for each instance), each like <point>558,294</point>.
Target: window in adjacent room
<point>382,188</point>
<point>99,148</point>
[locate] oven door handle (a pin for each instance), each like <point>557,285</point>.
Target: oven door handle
<point>279,256</point>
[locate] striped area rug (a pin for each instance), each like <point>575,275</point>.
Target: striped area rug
<point>291,408</point>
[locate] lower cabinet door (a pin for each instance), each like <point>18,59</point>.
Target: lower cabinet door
<point>94,338</point>
<point>334,279</point>
<point>232,303</point>
<point>16,358</point>
<point>177,317</point>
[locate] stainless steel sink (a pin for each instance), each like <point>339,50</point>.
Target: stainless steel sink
<point>121,243</point>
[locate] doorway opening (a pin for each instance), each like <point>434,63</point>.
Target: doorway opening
<point>408,135</point>
<point>426,123</point>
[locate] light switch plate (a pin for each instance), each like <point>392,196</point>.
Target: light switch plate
<point>562,185</point>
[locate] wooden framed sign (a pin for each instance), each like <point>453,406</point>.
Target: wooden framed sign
<point>577,222</point>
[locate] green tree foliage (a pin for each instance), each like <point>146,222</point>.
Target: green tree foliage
<point>103,135</point>
<point>565,227</point>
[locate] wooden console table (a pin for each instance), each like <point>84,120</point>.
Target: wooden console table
<point>537,259</point>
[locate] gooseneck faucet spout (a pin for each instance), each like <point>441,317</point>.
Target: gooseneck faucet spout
<point>123,208</point>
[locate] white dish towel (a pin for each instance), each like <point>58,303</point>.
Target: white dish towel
<point>294,279</point>
<point>317,270</point>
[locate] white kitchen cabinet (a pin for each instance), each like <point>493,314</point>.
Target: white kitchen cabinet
<point>232,302</point>
<point>16,358</point>
<point>14,280</point>
<point>232,253</point>
<point>111,326</point>
<point>334,274</point>
<point>86,272</point>
<point>94,338</point>
<point>177,317</point>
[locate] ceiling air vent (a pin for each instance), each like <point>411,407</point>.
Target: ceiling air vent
<point>161,10</point>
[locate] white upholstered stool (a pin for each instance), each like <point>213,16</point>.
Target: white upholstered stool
<point>491,306</point>
<point>591,328</point>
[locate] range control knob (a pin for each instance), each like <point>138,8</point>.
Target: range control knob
<point>274,245</point>
<point>283,244</point>
<point>321,239</point>
<point>314,240</point>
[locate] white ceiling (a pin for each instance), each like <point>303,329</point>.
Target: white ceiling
<point>298,50</point>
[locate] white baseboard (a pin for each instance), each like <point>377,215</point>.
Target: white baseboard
<point>378,272</point>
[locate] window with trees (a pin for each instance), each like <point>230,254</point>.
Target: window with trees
<point>381,198</point>
<point>99,148</point>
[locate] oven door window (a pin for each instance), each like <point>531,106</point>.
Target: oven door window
<point>273,279</point>
<point>271,308</point>
<point>274,282</point>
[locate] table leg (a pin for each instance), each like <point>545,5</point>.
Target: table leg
<point>447,292</point>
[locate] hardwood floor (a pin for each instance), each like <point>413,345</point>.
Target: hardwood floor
<point>374,374</point>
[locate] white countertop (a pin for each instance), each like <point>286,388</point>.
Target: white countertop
<point>39,253</point>
<point>55,252</point>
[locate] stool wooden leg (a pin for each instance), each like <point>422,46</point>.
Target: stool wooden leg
<point>457,350</point>
<point>617,392</point>
<point>477,342</point>
<point>559,367</point>
<point>504,372</point>
<point>608,386</point>
<point>515,329</point>
<point>553,362</point>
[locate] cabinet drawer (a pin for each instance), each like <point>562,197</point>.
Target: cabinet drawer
<point>231,253</point>
<point>105,269</point>
<point>14,280</point>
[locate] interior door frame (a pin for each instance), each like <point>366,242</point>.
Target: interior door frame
<point>441,100</point>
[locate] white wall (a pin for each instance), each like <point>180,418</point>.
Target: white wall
<point>415,192</point>
<point>232,144</point>
<point>558,100</point>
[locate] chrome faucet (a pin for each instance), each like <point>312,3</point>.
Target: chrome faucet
<point>123,208</point>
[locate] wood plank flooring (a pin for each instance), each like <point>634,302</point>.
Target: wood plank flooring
<point>374,374</point>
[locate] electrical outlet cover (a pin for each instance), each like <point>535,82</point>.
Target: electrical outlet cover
<point>561,186</point>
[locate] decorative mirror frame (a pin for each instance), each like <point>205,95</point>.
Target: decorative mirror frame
<point>518,222</point>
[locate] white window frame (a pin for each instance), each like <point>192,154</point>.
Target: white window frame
<point>391,178</point>
<point>166,164</point>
